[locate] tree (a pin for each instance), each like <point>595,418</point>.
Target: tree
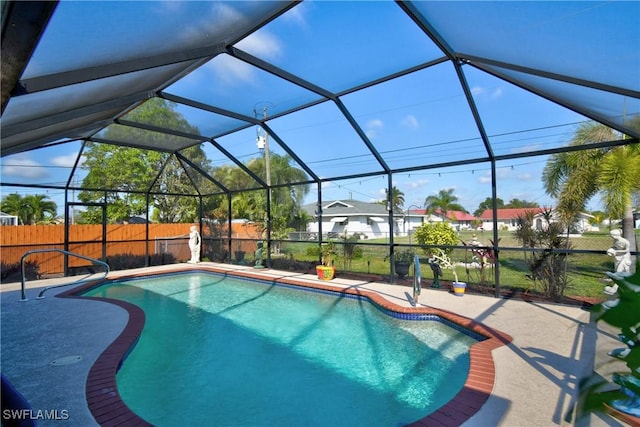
<point>548,265</point>
<point>613,172</point>
<point>30,209</point>
<point>517,203</point>
<point>445,200</point>
<point>397,199</point>
<point>42,209</point>
<point>432,236</point>
<point>122,175</point>
<point>14,205</point>
<point>488,204</point>
<point>179,178</point>
<point>285,199</point>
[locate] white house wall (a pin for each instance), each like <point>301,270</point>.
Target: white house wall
<point>355,224</point>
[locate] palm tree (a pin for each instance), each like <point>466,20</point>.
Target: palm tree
<point>445,200</point>
<point>13,204</point>
<point>397,198</point>
<point>41,208</point>
<point>614,172</point>
<point>30,209</point>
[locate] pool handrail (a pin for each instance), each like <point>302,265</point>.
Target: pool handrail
<point>417,278</point>
<point>23,296</point>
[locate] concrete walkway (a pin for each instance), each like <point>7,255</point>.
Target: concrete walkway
<point>537,374</point>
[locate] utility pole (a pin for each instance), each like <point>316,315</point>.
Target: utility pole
<point>262,139</point>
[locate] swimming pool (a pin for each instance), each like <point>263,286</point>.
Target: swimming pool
<point>240,359</point>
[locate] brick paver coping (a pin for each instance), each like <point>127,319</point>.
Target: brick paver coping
<point>108,408</point>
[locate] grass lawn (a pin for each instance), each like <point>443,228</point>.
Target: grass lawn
<point>586,271</point>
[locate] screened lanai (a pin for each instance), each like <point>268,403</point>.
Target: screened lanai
<point>356,99</point>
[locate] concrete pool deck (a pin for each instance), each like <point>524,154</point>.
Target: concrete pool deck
<point>536,374</point>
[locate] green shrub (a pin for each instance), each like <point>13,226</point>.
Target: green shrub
<point>431,235</point>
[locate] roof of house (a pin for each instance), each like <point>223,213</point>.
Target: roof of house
<point>451,215</point>
<point>460,216</point>
<point>508,213</point>
<point>347,208</point>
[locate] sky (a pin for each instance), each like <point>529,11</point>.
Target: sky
<point>419,119</point>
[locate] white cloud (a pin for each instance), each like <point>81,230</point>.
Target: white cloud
<point>375,123</point>
<point>501,174</point>
<point>411,122</point>
<point>297,14</point>
<point>485,178</point>
<point>477,90</point>
<point>372,127</point>
<point>417,184</point>
<point>486,93</point>
<point>231,70</point>
<point>22,166</point>
<point>66,161</point>
<point>262,44</point>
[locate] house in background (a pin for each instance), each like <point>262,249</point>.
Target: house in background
<point>458,219</point>
<point>348,217</point>
<point>414,218</point>
<point>507,219</point>
<point>6,219</point>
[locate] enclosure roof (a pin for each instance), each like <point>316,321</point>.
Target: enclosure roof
<point>73,70</point>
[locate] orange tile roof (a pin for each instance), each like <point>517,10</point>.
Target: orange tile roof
<point>508,213</point>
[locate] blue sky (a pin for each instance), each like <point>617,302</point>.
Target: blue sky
<point>421,118</point>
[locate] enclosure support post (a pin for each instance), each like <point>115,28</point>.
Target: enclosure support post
<point>392,267</point>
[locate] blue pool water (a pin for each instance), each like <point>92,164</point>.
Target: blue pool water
<point>231,352</point>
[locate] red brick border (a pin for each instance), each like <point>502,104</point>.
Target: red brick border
<point>108,408</point>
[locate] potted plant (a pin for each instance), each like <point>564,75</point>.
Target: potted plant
<point>430,236</point>
<point>402,262</point>
<point>326,271</point>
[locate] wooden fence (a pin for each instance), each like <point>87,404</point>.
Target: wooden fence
<point>120,239</point>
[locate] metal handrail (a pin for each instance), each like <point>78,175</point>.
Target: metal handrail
<point>417,278</point>
<point>40,295</point>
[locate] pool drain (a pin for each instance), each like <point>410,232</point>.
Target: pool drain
<point>66,360</point>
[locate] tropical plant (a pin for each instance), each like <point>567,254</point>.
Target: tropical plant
<point>548,264</point>
<point>30,209</point>
<point>350,249</point>
<point>432,236</point>
<point>328,252</point>
<point>614,172</point>
<point>396,199</point>
<point>445,201</point>
<point>622,313</point>
<point>404,256</point>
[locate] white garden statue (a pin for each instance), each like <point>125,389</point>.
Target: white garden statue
<point>620,251</point>
<point>194,245</point>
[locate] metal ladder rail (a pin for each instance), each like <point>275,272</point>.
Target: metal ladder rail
<point>35,251</point>
<point>417,278</point>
